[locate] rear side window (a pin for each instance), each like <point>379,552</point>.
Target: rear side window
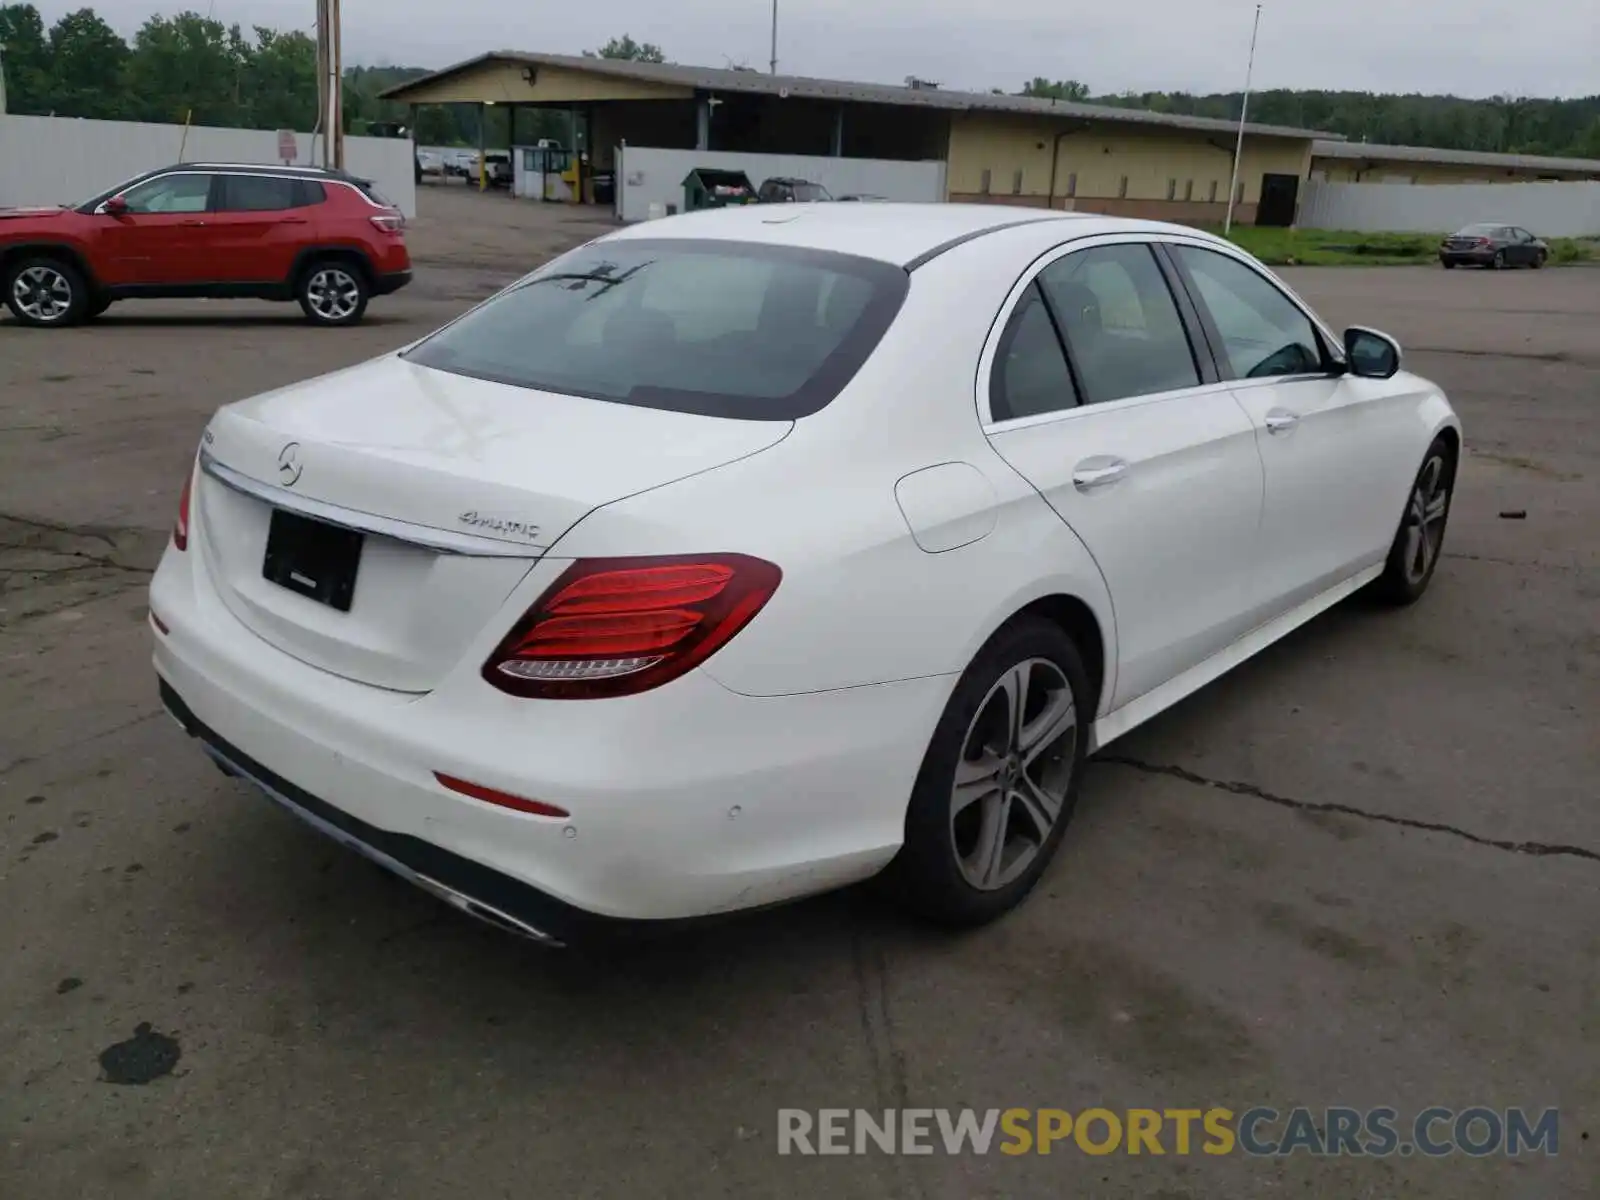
<point>725,329</point>
<point>370,190</point>
<point>260,193</point>
<point>1120,322</point>
<point>1030,374</point>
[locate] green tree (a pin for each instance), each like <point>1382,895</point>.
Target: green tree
<point>26,57</point>
<point>189,64</point>
<point>281,80</point>
<point>87,60</point>
<point>625,47</point>
<point>1055,89</point>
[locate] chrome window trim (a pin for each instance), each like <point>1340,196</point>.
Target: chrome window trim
<point>1138,237</point>
<point>443,540</point>
<point>213,171</point>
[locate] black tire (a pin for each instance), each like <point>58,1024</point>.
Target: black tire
<point>1402,582</point>
<point>47,293</point>
<point>1447,264</point>
<point>931,875</point>
<point>96,307</point>
<point>1498,263</point>
<point>333,291</point>
<point>1539,260</point>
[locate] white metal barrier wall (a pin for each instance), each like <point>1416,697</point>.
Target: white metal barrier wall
<point>1548,209</point>
<point>60,160</point>
<point>646,175</point>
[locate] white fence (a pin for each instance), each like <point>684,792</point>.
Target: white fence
<point>648,176</point>
<point>1548,209</point>
<point>59,160</point>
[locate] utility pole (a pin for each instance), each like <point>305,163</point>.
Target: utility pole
<point>773,62</point>
<point>2,79</point>
<point>330,84</point>
<point>1244,109</point>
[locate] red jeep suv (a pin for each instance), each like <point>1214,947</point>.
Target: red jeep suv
<point>322,237</point>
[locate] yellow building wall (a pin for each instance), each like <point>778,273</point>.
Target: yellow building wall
<point>1160,165</point>
<point>502,83</point>
<point>1344,170</point>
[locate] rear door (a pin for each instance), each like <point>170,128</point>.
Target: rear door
<point>1331,444</point>
<point>260,223</point>
<point>160,240</point>
<point>1104,398</point>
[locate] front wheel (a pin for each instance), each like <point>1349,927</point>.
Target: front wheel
<point>46,292</point>
<point>1539,259</point>
<point>334,293</point>
<point>1419,542</point>
<point>999,781</point>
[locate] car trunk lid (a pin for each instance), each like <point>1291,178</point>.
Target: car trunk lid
<point>447,489</point>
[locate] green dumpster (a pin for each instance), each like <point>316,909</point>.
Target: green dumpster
<point>705,187</point>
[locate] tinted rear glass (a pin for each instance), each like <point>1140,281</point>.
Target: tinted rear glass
<point>1479,231</point>
<point>726,329</point>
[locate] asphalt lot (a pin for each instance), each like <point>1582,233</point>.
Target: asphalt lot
<point>1212,933</point>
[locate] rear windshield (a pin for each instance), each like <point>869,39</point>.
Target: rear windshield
<point>810,191</point>
<point>1479,231</point>
<point>727,329</point>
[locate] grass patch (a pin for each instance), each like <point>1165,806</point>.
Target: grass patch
<point>1342,248</point>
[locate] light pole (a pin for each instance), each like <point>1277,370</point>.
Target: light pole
<point>773,61</point>
<point>3,78</point>
<point>1244,108</point>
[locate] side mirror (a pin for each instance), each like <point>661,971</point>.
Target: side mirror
<point>115,206</point>
<point>1371,354</point>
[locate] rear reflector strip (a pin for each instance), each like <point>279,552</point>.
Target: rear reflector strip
<point>502,799</point>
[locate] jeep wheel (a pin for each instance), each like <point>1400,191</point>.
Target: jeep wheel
<point>46,292</point>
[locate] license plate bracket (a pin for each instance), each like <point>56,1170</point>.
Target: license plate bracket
<point>313,558</point>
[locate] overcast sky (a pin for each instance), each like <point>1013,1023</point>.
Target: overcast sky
<point>1469,47</point>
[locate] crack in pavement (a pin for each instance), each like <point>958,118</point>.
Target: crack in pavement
<point>1534,849</point>
<point>29,759</point>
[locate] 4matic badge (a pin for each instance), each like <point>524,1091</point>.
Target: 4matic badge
<point>505,525</point>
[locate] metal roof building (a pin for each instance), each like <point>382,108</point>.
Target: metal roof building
<point>1366,162</point>
<point>1000,148</point>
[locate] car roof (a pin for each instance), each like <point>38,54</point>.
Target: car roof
<point>302,172</point>
<point>902,234</point>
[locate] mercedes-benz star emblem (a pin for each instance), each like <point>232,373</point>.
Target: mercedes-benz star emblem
<point>289,464</point>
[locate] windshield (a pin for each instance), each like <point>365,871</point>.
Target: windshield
<point>811,191</point>
<point>729,329</point>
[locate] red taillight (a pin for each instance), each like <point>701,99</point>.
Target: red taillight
<point>180,528</point>
<point>1481,241</point>
<point>618,626</point>
<point>389,222</point>
<point>504,799</point>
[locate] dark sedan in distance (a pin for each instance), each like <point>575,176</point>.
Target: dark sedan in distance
<point>1491,245</point>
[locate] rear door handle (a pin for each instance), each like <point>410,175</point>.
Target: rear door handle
<point>1281,420</point>
<point>292,221</point>
<point>191,224</point>
<point>1100,471</point>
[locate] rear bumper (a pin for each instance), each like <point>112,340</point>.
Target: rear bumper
<point>1474,258</point>
<point>391,281</point>
<point>685,803</point>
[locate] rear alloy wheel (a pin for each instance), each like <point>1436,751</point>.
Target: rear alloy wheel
<point>333,293</point>
<point>1499,261</point>
<point>1420,540</point>
<point>999,781</point>
<point>46,292</point>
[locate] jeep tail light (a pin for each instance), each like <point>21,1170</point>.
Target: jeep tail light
<point>180,528</point>
<point>619,626</point>
<point>389,222</point>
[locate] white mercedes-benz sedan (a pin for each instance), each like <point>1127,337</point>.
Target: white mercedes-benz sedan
<point>745,554</point>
